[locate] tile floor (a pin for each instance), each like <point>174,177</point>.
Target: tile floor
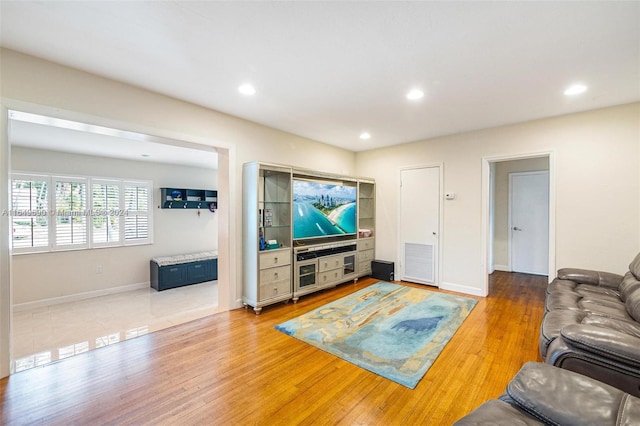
<point>47,334</point>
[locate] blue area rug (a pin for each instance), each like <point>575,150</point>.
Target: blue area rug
<point>392,330</point>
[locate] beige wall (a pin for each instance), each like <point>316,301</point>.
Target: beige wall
<point>597,185</point>
<point>67,273</point>
<point>501,204</point>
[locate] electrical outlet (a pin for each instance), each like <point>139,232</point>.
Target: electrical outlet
<point>99,269</point>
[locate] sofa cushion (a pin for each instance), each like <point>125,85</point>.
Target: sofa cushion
<point>592,302</point>
<point>567,286</point>
<point>629,327</point>
<point>562,300</point>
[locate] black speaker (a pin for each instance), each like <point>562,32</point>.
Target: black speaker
<point>382,270</point>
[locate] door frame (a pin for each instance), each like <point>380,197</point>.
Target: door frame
<point>486,209</point>
<point>510,212</point>
<point>228,248</point>
<point>440,236</point>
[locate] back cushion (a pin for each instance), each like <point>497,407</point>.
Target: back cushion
<point>634,266</point>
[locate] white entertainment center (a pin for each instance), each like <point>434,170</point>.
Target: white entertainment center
<point>287,252</point>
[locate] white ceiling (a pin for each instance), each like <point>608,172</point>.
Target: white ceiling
<point>39,132</point>
<point>330,70</point>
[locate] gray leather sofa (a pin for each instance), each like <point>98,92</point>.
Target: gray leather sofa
<point>592,325</point>
<point>544,395</point>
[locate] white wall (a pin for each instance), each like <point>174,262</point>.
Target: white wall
<point>501,204</point>
<point>58,274</point>
<point>597,187</point>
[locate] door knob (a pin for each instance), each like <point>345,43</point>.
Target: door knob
<point>515,228</point>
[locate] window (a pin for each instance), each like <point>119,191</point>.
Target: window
<point>71,213</point>
<point>29,212</point>
<point>105,218</point>
<point>51,213</point>
<point>137,220</point>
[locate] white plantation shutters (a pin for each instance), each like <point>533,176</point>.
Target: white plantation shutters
<point>70,212</point>
<point>137,222</point>
<point>50,213</point>
<point>29,213</point>
<point>105,218</point>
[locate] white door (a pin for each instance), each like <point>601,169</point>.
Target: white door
<point>529,222</point>
<point>419,224</point>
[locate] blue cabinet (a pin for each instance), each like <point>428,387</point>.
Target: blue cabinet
<point>181,274</point>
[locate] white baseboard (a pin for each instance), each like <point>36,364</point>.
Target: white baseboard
<point>461,289</point>
<point>78,296</point>
<point>503,268</point>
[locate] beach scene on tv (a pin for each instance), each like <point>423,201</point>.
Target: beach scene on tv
<point>321,209</point>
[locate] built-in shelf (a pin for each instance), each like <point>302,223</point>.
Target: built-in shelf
<point>184,198</point>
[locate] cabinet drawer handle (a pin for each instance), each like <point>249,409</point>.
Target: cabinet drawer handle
<point>275,290</point>
<point>198,266</point>
<point>173,269</point>
<point>275,260</point>
<point>275,275</point>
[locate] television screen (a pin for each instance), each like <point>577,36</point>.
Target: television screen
<point>323,209</point>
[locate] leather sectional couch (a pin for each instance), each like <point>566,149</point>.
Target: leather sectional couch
<point>544,395</point>
<point>591,325</point>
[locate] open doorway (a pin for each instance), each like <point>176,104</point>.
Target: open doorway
<point>70,299</point>
<point>518,195</point>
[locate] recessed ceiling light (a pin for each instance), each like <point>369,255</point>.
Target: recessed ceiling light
<point>247,89</point>
<point>415,94</point>
<point>365,136</point>
<point>575,89</point>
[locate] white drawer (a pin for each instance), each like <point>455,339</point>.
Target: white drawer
<point>329,276</point>
<point>366,244</point>
<point>365,256</point>
<point>275,258</point>
<point>275,274</point>
<point>275,289</point>
<point>330,262</point>
<point>364,268</point>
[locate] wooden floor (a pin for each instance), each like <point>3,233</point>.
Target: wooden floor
<point>235,368</point>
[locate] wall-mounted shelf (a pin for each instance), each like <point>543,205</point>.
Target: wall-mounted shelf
<point>183,198</point>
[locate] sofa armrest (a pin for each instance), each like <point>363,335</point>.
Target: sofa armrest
<point>604,342</point>
<point>562,397</point>
<point>587,276</point>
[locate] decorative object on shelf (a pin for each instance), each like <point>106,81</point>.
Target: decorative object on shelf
<point>364,233</point>
<point>268,217</point>
<point>392,330</point>
<point>185,198</point>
